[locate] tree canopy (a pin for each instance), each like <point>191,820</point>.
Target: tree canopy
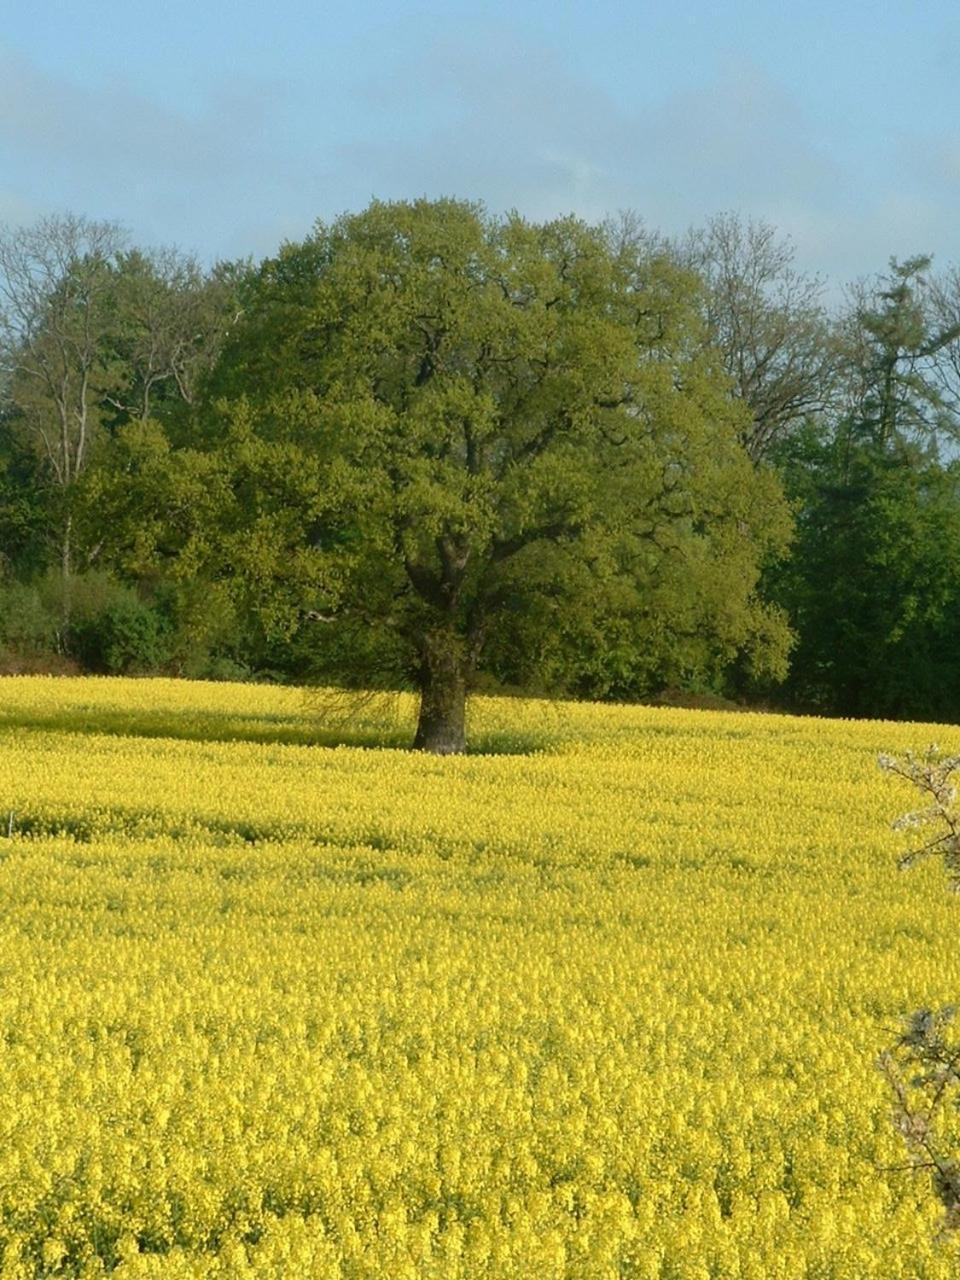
<point>454,444</point>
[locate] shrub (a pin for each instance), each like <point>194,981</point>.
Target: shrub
<point>109,629</point>
<point>29,622</point>
<point>125,637</point>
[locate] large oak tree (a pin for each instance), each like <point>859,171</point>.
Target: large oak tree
<point>457,442</point>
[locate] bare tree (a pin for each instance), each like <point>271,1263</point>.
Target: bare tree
<point>944,303</point>
<point>55,307</point>
<point>627,233</point>
<point>768,321</point>
<point>171,321</point>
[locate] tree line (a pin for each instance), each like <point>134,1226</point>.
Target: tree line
<point>428,447</point>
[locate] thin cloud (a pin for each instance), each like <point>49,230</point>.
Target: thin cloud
<point>515,126</point>
<point>482,114</point>
<point>117,153</point>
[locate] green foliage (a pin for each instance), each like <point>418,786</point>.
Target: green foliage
<point>92,336</point>
<point>126,637</point>
<point>873,587</point>
<point>110,629</point>
<point>30,619</point>
<point>444,432</point>
<point>25,506</point>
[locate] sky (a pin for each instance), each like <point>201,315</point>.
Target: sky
<point>225,127</point>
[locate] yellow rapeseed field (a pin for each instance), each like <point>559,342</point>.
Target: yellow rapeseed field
<point>602,1002</point>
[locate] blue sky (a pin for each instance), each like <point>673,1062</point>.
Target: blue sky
<point>225,126</point>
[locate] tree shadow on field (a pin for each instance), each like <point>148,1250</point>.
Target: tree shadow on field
<point>328,719</point>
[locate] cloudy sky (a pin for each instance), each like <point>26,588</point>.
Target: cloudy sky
<point>225,126</point>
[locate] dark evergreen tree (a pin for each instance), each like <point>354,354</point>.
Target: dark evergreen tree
<point>873,586</point>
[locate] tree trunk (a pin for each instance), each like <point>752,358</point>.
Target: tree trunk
<point>66,547</point>
<point>66,571</point>
<point>441,728</point>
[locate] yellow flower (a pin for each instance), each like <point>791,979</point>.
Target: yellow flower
<point>277,1010</point>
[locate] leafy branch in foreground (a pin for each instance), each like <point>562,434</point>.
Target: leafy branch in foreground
<point>923,1067</point>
